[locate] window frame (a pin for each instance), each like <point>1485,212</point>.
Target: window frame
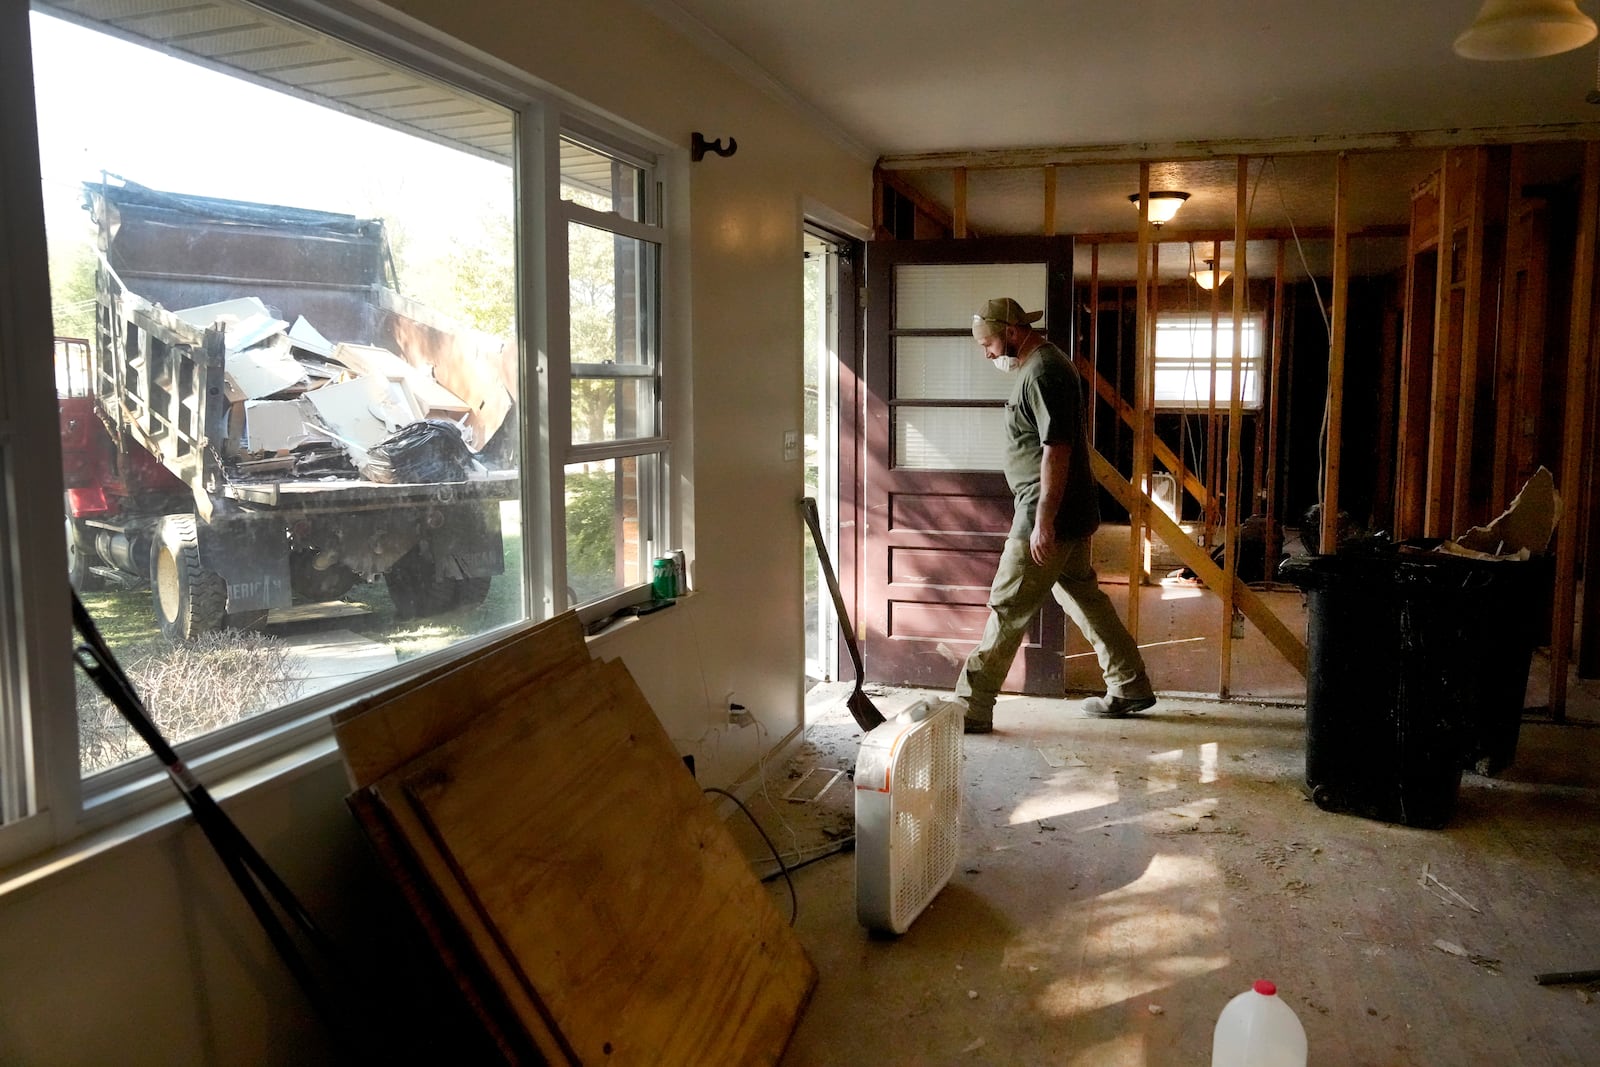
<point>649,228</point>
<point>34,616</point>
<point>1199,323</point>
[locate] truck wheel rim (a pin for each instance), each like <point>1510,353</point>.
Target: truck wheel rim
<point>167,584</point>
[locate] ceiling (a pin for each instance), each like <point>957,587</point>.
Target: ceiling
<point>924,85</point>
<point>1002,87</point>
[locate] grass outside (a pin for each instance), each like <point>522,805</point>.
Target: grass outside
<point>194,688</point>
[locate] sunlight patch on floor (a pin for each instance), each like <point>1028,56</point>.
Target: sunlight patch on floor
<point>1162,928</point>
<point>1057,803</point>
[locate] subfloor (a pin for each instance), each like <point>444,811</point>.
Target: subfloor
<point>1120,880</point>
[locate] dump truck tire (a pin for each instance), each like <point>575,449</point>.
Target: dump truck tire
<point>417,592</point>
<point>188,599</point>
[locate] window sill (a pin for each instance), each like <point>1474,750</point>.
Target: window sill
<point>627,618</point>
<point>168,817</point>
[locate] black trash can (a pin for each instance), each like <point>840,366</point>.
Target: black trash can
<point>1417,663</point>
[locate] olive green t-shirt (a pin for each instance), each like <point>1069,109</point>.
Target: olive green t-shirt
<point>1046,405</point>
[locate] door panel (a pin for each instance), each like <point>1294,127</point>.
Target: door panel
<point>936,509</point>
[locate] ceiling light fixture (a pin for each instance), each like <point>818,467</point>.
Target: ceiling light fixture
<point>1163,205</point>
<point>1210,278</point>
<point>1525,29</point>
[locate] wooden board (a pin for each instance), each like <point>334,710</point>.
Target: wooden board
<point>1195,558</point>
<point>478,987</point>
<point>381,731</point>
<point>605,875</point>
<point>477,949</point>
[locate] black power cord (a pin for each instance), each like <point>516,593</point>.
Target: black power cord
<point>846,845</point>
<point>794,898</point>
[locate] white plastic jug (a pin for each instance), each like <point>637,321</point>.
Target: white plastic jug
<point>1257,1029</point>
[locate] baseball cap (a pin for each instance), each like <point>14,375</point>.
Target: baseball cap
<point>1008,312</point>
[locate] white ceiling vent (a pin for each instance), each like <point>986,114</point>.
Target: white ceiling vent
<point>908,806</point>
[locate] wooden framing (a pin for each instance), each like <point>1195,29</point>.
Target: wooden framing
<point>1454,395</point>
<point>1093,345</point>
<point>1416,361</point>
<point>1269,412</point>
<point>1446,383</point>
<point>1050,201</point>
<point>1572,440</point>
<point>1213,434</point>
<point>1241,299</point>
<point>958,227</point>
<point>1142,413</point>
<point>1472,190</point>
<point>1178,151</point>
<point>1329,534</point>
<point>1194,557</point>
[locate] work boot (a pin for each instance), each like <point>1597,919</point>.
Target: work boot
<point>1110,707</point>
<point>973,723</point>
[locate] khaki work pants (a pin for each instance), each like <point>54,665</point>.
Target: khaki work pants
<point>1018,592</point>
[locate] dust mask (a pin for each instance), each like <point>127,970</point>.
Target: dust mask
<point>1006,364</point>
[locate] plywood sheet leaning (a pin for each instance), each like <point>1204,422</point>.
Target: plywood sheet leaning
<point>480,989</point>
<point>598,868</point>
<point>382,731</point>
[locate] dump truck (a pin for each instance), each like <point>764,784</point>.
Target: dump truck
<point>263,420</point>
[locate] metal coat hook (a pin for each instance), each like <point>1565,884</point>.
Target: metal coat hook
<point>700,146</point>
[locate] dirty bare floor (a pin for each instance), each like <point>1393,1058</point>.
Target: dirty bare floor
<point>1121,880</point>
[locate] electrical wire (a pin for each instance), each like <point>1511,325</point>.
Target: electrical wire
<point>761,769</point>
<point>845,844</point>
<point>794,898</point>
<point>1327,325</point>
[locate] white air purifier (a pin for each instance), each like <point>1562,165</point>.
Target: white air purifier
<point>908,808</point>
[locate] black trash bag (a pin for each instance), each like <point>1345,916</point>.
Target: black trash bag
<point>431,450</point>
<point>322,461</point>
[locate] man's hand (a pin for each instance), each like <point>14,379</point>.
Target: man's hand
<point>1042,543</point>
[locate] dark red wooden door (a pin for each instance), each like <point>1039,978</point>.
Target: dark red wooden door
<point>935,504</point>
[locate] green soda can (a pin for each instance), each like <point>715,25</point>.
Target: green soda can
<point>664,578</point>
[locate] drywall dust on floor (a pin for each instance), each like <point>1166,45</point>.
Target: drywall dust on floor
<point>1121,880</point>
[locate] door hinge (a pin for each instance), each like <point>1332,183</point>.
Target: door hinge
<point>861,296</point>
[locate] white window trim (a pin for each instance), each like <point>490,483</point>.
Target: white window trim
<point>67,806</point>
<point>1199,323</point>
<point>649,229</point>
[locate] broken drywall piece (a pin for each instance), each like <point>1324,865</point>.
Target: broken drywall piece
<point>245,321</point>
<point>278,426</point>
<point>1058,756</point>
<point>345,408</point>
<point>260,372</point>
<point>433,400</point>
<point>1523,529</point>
<point>306,337</point>
<point>392,402</point>
<point>273,425</point>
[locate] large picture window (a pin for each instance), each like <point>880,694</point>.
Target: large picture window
<point>290,328</point>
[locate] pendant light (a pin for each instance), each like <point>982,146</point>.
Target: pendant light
<point>1525,29</point>
<point>1210,278</point>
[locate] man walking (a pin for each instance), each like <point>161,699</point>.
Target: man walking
<point>1057,510</point>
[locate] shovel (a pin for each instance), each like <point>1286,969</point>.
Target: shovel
<point>866,713</point>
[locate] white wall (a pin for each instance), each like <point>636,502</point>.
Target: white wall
<point>145,954</point>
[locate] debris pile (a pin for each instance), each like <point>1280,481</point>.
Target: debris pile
<point>307,408</point>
